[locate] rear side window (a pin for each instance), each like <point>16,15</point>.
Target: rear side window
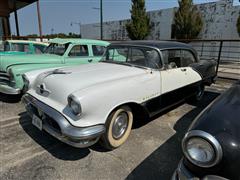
<point>177,58</point>
<point>39,49</point>
<point>187,58</point>
<point>20,47</point>
<point>79,50</point>
<point>98,50</point>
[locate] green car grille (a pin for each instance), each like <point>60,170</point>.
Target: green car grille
<point>4,77</point>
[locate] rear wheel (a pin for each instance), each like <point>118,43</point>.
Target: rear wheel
<point>199,94</point>
<point>118,127</point>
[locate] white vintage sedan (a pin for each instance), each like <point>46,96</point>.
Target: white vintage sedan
<point>82,105</point>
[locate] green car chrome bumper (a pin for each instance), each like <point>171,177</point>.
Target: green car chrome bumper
<point>9,90</point>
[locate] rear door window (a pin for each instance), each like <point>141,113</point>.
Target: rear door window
<point>98,50</point>
<point>187,58</point>
<point>39,49</point>
<point>177,58</point>
<point>79,51</point>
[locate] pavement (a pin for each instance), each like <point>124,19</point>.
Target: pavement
<point>152,151</point>
<point>229,70</point>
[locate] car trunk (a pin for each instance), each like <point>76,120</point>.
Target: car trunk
<point>207,69</point>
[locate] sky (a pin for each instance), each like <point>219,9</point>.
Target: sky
<point>57,15</point>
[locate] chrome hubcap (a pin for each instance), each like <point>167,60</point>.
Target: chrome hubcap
<point>200,92</point>
<point>120,125</point>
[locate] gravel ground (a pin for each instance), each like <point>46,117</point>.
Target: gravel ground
<point>152,151</point>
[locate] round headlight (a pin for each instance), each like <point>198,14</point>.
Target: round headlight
<point>202,149</point>
<point>11,75</point>
<point>75,105</point>
<point>26,83</point>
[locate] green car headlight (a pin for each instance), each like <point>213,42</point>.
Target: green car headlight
<point>26,83</point>
<point>11,75</point>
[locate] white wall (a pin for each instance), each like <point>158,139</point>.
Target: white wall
<point>219,23</point>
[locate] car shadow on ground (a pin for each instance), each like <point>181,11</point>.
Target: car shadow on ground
<point>10,98</point>
<point>49,143</point>
<point>167,155</point>
<point>164,160</point>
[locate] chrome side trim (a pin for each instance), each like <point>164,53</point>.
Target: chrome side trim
<point>208,137</point>
<point>74,136</point>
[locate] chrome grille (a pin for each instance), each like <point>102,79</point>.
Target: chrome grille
<point>4,77</point>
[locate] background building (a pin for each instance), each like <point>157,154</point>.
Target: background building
<point>6,8</point>
<point>219,18</point>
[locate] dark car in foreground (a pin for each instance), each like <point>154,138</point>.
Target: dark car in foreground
<point>211,146</point>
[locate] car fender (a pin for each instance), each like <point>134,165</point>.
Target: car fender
<point>100,100</point>
<point>19,70</point>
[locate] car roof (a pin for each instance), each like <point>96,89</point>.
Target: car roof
<point>27,41</point>
<point>154,44</point>
<point>78,41</point>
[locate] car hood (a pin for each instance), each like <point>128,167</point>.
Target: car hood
<point>61,83</point>
<point>221,120</point>
<point>7,61</point>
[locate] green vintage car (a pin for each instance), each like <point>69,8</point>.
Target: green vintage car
<point>19,47</point>
<point>59,53</point>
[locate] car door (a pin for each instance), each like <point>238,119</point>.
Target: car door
<point>79,54</point>
<point>177,75</point>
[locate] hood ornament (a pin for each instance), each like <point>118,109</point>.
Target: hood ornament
<point>42,89</point>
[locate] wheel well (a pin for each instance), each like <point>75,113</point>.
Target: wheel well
<point>139,112</point>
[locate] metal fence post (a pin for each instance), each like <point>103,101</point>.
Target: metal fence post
<point>219,56</point>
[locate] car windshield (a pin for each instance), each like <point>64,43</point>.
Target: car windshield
<point>142,57</point>
<point>57,49</point>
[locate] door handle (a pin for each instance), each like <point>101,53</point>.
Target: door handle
<point>183,70</point>
<point>90,60</point>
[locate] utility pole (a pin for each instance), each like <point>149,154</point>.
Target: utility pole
<point>39,20</point>
<point>16,19</point>
<point>101,18</point>
<point>100,9</point>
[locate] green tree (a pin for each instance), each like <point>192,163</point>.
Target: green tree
<point>238,25</point>
<point>139,26</point>
<point>187,21</point>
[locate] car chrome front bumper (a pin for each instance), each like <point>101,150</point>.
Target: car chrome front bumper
<point>5,89</point>
<point>182,173</point>
<point>58,126</point>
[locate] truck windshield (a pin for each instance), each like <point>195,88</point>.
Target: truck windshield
<point>57,49</point>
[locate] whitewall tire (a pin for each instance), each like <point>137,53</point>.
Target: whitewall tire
<point>118,127</point>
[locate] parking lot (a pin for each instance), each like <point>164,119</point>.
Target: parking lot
<point>152,151</point>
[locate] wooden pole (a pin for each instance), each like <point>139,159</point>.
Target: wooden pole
<point>39,20</point>
<point>101,18</point>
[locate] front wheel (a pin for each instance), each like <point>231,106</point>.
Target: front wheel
<point>118,127</point>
